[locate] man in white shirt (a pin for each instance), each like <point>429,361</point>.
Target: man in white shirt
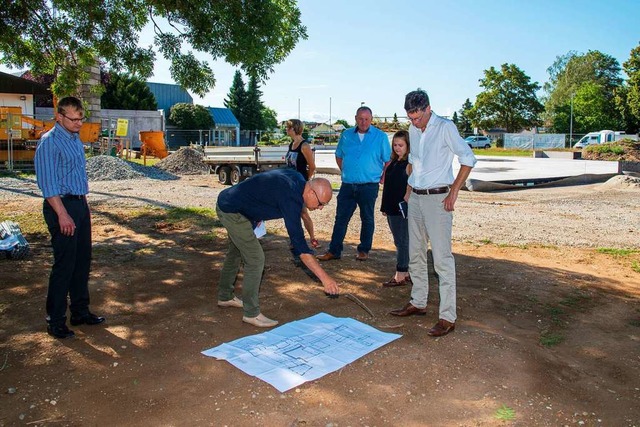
<point>432,193</point>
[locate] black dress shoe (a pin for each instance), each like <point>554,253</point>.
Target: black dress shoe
<point>87,319</point>
<point>60,331</point>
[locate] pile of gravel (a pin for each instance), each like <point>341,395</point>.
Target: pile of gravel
<point>109,168</point>
<point>185,161</point>
<point>622,181</point>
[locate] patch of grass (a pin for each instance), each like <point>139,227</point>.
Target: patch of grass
<point>575,299</point>
<point>635,322</point>
<point>550,339</point>
<point>204,217</point>
<point>185,217</point>
<point>502,152</point>
<point>17,174</point>
<point>504,413</point>
<point>617,252</point>
<point>150,161</point>
<point>335,186</point>
<point>486,241</point>
<point>556,314</point>
<point>635,266</point>
<point>29,222</point>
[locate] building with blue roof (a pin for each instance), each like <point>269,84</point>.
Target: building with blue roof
<point>167,95</point>
<point>226,131</point>
<point>225,126</point>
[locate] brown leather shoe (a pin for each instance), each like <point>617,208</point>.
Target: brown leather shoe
<point>393,283</point>
<point>442,328</point>
<point>362,256</point>
<point>409,310</point>
<point>327,256</point>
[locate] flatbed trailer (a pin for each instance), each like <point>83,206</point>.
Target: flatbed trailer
<point>235,164</point>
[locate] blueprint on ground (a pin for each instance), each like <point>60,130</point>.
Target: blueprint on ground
<point>303,350</point>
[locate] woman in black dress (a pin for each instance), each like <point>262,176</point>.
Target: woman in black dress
<point>393,193</point>
<point>300,157</point>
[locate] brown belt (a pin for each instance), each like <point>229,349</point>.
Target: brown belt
<point>437,190</point>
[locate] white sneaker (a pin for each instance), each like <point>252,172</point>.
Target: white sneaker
<point>233,302</point>
<point>260,321</point>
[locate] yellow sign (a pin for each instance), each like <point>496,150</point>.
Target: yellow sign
<point>123,127</point>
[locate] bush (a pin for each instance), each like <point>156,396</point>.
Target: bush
<point>500,142</point>
<point>604,149</point>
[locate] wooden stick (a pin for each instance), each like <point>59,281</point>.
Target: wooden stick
<point>360,303</point>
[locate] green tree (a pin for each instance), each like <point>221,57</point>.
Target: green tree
<point>343,123</point>
<point>237,98</point>
<point>253,107</point>
<point>630,99</point>
<point>123,92</point>
<point>464,121</point>
<point>269,118</point>
<point>566,77</point>
<point>508,100</point>
<point>63,38</point>
<point>455,119</point>
<point>190,116</point>
<point>590,109</point>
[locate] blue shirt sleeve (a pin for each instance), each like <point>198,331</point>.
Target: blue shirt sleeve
<point>45,163</point>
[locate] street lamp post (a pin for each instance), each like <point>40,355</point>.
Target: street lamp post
<point>571,121</point>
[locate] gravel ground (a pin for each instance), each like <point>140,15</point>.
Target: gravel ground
<point>595,215</point>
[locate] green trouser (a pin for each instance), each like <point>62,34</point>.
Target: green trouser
<point>245,247</point>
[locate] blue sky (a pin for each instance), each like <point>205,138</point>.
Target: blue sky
<point>375,52</point>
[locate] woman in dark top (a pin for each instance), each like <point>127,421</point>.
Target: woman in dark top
<point>393,192</point>
<point>300,158</point>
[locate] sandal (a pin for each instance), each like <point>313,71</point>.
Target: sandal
<point>315,244</point>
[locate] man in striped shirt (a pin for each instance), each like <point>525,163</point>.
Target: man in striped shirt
<point>62,177</point>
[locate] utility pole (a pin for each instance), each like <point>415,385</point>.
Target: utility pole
<point>571,122</point>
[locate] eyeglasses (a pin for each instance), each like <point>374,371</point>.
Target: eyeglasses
<point>419,118</point>
<point>318,199</point>
<point>78,120</point>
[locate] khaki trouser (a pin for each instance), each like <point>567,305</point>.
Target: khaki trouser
<point>243,247</point>
<point>429,222</point>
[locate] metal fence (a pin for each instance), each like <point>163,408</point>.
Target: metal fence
<point>534,141</point>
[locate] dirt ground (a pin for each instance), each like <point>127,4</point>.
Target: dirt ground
<point>547,335</point>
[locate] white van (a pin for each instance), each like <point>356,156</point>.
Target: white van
<point>602,137</point>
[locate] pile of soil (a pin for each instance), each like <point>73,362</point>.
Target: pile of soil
<point>185,161</point>
<point>631,151</point>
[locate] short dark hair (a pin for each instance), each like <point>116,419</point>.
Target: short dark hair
<point>416,100</point>
<point>69,101</point>
<point>364,108</point>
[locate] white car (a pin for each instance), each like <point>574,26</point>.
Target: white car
<point>477,141</point>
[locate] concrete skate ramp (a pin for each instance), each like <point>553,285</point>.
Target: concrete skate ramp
<point>488,186</point>
<point>509,173</point>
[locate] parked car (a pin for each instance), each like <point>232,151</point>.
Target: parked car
<point>477,141</point>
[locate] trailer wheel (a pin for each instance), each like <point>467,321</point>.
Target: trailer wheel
<point>236,177</point>
<point>224,175</point>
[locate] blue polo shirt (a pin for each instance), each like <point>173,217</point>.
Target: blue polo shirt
<point>270,195</point>
<point>60,163</point>
<point>363,161</point>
